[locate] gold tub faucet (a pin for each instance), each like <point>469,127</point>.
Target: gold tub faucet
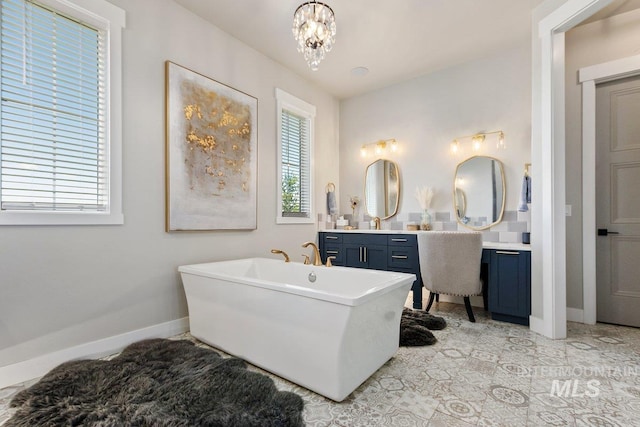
<point>278,251</point>
<point>316,253</point>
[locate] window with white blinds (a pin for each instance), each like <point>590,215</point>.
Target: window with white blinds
<point>295,130</point>
<point>54,128</point>
<point>296,200</point>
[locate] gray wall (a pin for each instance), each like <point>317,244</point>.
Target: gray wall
<point>590,44</point>
<point>63,286</point>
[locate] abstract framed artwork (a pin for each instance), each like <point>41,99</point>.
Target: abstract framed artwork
<point>211,154</point>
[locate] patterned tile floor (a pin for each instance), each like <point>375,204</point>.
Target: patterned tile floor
<point>487,374</point>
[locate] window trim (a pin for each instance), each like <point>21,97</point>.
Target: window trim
<point>286,101</point>
<point>100,14</point>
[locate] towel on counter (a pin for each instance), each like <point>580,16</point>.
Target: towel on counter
<point>525,194</point>
<point>332,204</point>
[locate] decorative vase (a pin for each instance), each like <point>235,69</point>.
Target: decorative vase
<point>425,223</point>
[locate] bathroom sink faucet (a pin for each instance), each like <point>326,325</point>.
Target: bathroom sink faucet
<point>316,253</point>
<point>376,219</point>
<point>278,251</point>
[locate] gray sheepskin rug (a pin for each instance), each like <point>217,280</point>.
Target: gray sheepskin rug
<point>415,325</point>
<point>157,383</point>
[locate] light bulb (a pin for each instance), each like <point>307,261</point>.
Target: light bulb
<point>363,151</point>
<point>501,145</point>
<point>455,147</point>
<point>394,146</point>
<point>477,142</point>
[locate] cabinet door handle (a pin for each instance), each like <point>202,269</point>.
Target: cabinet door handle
<point>508,253</point>
<point>331,237</point>
<point>332,252</point>
<point>398,240</point>
<point>399,256</point>
<point>364,250</point>
<point>360,256</point>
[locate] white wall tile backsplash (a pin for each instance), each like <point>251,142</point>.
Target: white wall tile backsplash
<point>508,231</point>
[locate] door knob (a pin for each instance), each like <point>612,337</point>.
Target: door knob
<point>605,232</point>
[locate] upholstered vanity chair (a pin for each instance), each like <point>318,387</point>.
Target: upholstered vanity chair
<point>450,264</point>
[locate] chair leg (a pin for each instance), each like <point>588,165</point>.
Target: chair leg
<point>467,304</point>
<point>431,297</point>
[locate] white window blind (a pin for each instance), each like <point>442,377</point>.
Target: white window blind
<point>53,142</point>
<point>296,197</point>
<point>295,166</point>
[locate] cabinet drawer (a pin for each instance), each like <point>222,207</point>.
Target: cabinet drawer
<point>401,257</point>
<point>334,251</point>
<point>364,239</point>
<point>402,240</point>
<point>329,238</point>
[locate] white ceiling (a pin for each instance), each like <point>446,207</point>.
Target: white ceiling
<point>395,40</point>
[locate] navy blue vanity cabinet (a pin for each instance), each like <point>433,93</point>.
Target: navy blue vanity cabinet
<point>363,250</point>
<point>402,256</point>
<point>378,251</point>
<point>330,244</point>
<point>510,285</point>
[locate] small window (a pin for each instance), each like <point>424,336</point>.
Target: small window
<point>57,148</point>
<point>295,174</point>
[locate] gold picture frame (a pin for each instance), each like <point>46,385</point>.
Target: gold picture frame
<point>211,153</point>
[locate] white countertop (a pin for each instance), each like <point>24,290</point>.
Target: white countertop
<point>486,245</point>
<point>506,246</point>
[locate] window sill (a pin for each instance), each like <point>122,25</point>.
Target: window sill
<point>293,220</point>
<point>60,218</point>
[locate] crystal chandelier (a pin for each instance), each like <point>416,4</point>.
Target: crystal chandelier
<point>314,28</point>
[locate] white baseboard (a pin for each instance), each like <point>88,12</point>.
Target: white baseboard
<point>38,366</point>
<point>537,325</point>
<point>575,315</point>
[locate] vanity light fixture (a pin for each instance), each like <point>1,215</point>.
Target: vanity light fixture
<point>314,28</point>
<point>379,147</point>
<point>477,141</point>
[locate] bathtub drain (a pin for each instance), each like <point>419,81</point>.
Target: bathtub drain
<point>312,277</point>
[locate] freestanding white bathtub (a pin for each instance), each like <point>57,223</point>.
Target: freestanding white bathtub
<point>327,335</point>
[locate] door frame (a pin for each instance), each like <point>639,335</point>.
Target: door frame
<point>548,245</point>
<point>589,77</point>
